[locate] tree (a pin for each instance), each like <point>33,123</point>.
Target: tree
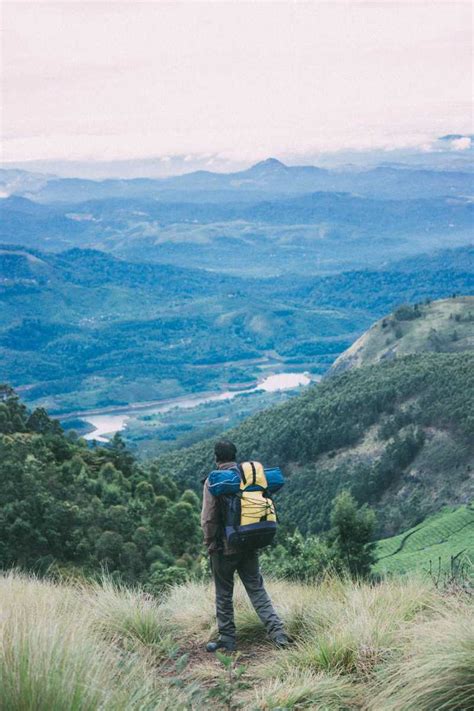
<point>65,503</point>
<point>182,526</point>
<point>189,497</point>
<point>350,537</point>
<point>297,558</point>
<point>109,548</point>
<point>40,422</point>
<point>121,457</point>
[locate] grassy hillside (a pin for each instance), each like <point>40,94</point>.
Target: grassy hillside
<point>443,543</point>
<point>445,326</point>
<point>398,645</point>
<point>398,434</point>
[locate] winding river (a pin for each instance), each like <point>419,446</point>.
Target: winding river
<point>106,424</point>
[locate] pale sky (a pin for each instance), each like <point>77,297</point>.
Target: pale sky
<point>108,80</point>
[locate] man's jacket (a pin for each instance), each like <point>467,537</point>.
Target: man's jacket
<point>211,522</point>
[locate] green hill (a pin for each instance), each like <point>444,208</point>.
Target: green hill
<point>398,434</point>
<point>445,326</point>
<point>443,543</point>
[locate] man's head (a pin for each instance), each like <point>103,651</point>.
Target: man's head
<point>225,451</point>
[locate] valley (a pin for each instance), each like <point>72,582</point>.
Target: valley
<point>82,330</point>
<point>117,293</point>
<point>172,311</point>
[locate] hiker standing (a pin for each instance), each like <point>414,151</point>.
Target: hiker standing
<point>228,557</point>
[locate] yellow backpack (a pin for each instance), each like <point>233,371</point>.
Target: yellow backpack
<point>249,516</point>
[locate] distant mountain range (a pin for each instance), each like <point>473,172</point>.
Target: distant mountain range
<point>452,152</point>
<point>268,178</point>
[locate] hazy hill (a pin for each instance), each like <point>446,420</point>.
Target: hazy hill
<point>445,326</point>
<point>316,233</point>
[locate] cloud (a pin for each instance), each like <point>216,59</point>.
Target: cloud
<point>461,144</point>
<point>111,80</point>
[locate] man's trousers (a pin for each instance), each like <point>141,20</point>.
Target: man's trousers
<point>247,566</point>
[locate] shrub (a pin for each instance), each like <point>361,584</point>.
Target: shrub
<point>405,312</point>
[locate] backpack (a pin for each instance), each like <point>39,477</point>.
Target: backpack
<point>248,513</point>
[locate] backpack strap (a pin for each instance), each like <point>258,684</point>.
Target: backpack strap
<point>253,480</point>
<point>254,473</point>
<point>242,474</point>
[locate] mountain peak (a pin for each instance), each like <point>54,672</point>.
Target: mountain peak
<point>270,163</point>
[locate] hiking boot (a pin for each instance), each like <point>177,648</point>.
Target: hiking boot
<point>281,641</point>
<point>221,645</point>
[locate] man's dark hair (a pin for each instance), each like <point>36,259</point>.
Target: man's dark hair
<point>225,451</point>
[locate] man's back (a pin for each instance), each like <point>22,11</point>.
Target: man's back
<point>211,517</point>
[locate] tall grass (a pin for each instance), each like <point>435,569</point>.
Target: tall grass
<point>308,690</point>
<point>131,618</point>
<point>436,667</point>
<point>350,627</point>
<point>396,645</point>
<point>52,657</point>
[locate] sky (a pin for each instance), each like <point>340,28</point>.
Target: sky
<point>237,81</point>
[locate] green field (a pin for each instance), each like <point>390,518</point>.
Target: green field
<point>450,533</point>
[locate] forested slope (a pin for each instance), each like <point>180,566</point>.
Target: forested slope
<point>82,510</point>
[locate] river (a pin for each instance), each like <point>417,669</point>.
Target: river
<point>108,423</point>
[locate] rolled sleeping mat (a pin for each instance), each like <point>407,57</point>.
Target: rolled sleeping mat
<point>227,481</point>
<point>275,479</point>
<point>224,481</point>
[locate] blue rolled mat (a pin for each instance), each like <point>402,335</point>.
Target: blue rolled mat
<point>227,481</point>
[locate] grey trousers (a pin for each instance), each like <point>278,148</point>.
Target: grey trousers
<point>247,566</point>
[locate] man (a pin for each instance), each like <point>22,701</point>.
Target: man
<point>226,560</point>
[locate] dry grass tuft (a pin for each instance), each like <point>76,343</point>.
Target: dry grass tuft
<point>52,655</point>
<point>307,690</point>
<point>435,669</point>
